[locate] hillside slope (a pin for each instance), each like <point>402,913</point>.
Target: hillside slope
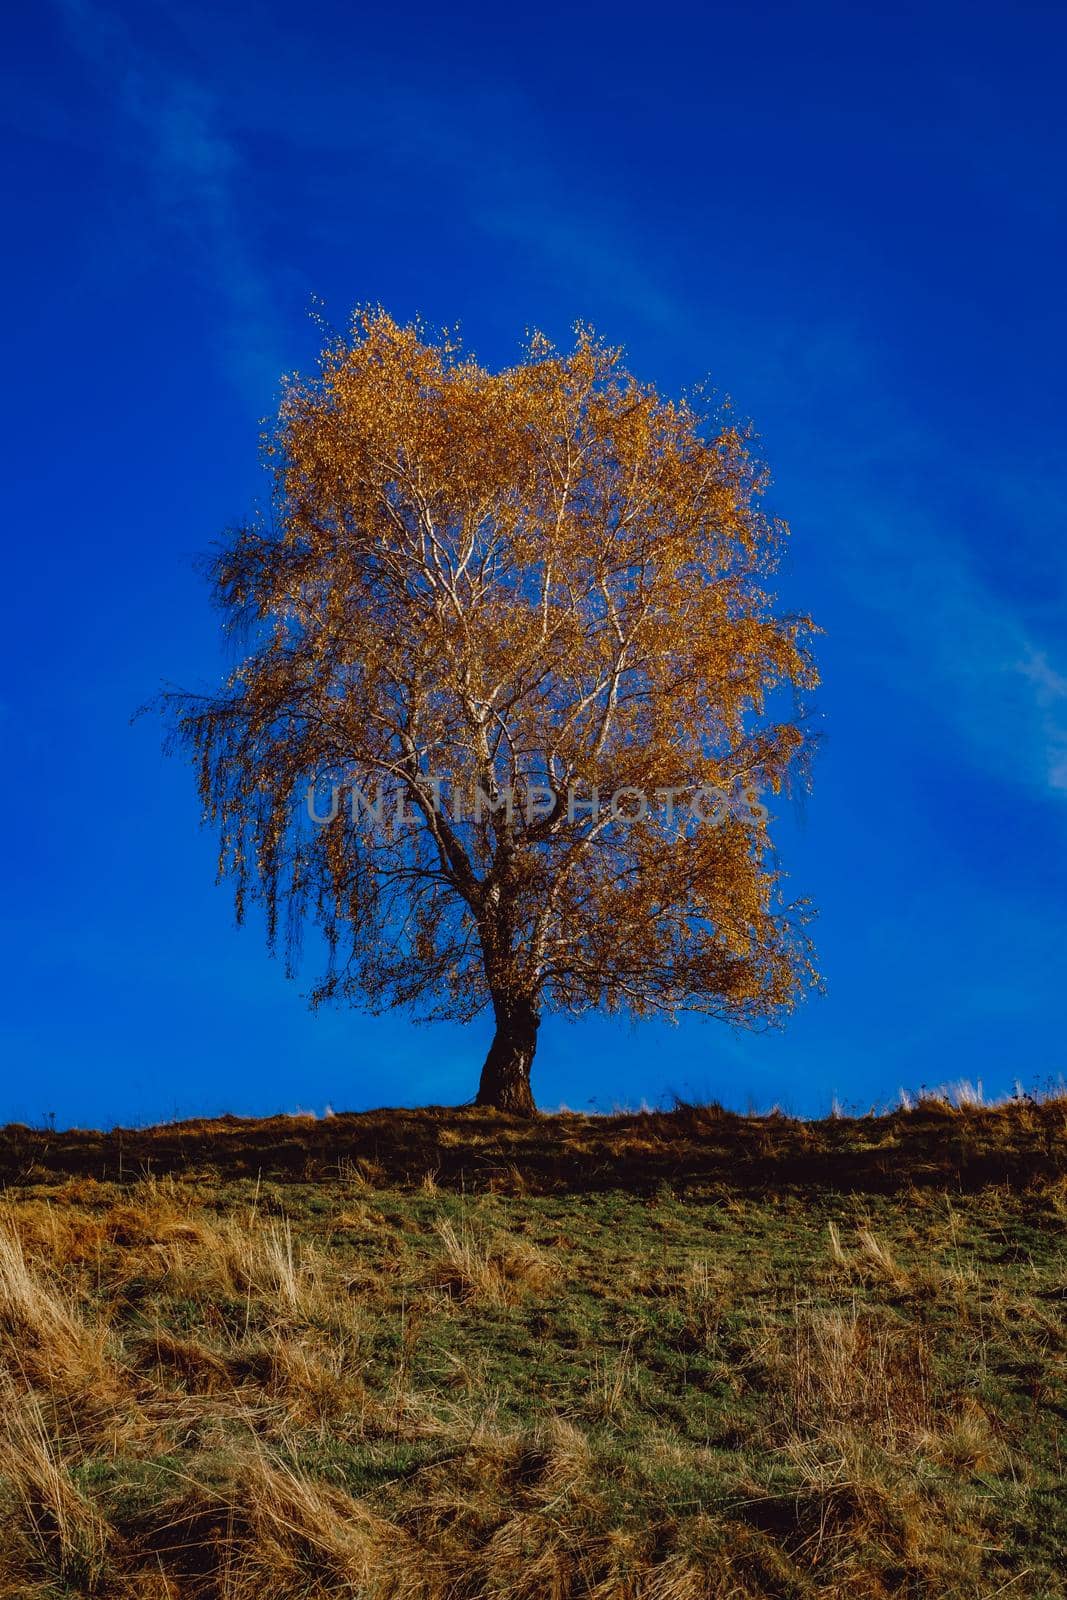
<point>588,1357</point>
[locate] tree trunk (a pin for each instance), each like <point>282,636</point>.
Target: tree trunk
<point>505,1083</point>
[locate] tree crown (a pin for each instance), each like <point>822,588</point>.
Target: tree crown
<point>535,582</point>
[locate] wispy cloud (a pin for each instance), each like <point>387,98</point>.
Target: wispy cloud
<point>1050,698</point>
<point>194,171</point>
<point>971,655</point>
<point>962,610</point>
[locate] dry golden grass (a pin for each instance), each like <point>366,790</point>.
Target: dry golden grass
<point>493,1269</point>
<point>233,1389</point>
<point>56,1523</point>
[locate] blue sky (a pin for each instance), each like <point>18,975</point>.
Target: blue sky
<point>852,219</point>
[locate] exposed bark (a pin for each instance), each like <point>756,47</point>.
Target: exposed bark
<point>505,1081</point>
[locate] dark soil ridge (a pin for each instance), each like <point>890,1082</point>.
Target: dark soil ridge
<point>691,1147</point>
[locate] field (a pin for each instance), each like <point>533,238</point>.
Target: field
<point>443,1354</point>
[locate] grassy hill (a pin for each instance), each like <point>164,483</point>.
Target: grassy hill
<point>445,1354</point>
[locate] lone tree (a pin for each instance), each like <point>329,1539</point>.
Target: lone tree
<point>515,688</point>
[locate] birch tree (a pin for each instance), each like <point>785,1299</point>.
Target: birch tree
<point>518,697</point>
